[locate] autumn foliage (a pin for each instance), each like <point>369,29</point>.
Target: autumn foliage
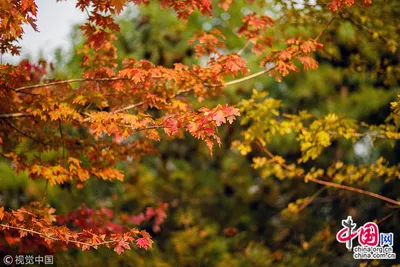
<point>117,113</point>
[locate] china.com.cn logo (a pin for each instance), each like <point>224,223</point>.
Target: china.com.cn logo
<point>372,244</point>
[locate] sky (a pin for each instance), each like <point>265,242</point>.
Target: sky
<point>54,21</point>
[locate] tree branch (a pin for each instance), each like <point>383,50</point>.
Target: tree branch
<point>14,115</point>
<point>322,189</point>
<point>363,27</point>
<point>330,184</point>
<point>354,189</point>
<point>58,239</point>
<point>243,48</point>
<point>71,81</point>
<point>381,220</point>
<point>128,107</point>
<point>249,77</point>
<point>326,27</point>
<point>29,136</point>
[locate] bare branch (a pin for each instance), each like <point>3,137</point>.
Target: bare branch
<point>128,107</point>
<point>243,48</point>
<point>249,77</point>
<point>14,115</point>
<point>381,220</point>
<point>326,27</point>
<point>322,189</point>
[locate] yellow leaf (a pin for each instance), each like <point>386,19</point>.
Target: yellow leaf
<point>324,139</point>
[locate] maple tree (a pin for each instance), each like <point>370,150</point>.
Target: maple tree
<point>121,108</point>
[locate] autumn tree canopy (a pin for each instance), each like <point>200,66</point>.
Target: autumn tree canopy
<point>206,133</point>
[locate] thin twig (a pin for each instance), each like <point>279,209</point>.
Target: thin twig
<point>312,198</point>
<point>62,137</point>
<point>14,115</point>
<point>128,107</point>
<point>251,76</point>
<point>387,216</point>
<point>326,27</point>
<point>363,27</point>
<point>45,193</point>
<point>370,134</point>
<point>29,136</point>
<point>243,48</point>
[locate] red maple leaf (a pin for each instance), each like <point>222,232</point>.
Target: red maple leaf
<point>307,46</point>
<point>143,243</point>
<point>334,5</point>
<point>308,62</point>
<point>118,4</point>
<point>121,246</point>
<point>284,55</point>
<point>219,117</point>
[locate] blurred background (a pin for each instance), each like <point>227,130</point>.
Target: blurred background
<point>221,211</point>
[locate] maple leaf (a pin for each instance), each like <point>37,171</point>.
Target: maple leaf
<point>98,39</point>
<point>31,22</point>
<point>207,42</point>
<point>210,144</point>
<point>232,66</point>
<point>1,213</point>
<point>285,55</point>
<point>153,135</point>
<point>1,141</point>
<point>349,2</point>
<point>308,62</point>
<point>209,130</point>
<point>25,4</point>
<point>121,246</point>
<point>85,247</point>
<point>231,113</point>
<point>138,219</point>
<point>118,4</point>
<point>225,4</point>
<point>138,77</point>
<point>150,212</point>
<point>207,5</point>
<point>22,234</point>
<point>335,5</point>
<point>307,46</point>
<point>171,126</point>
<point>180,67</point>
<point>253,25</point>
<point>285,67</point>
<point>192,127</point>
<point>142,243</point>
<point>219,117</point>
